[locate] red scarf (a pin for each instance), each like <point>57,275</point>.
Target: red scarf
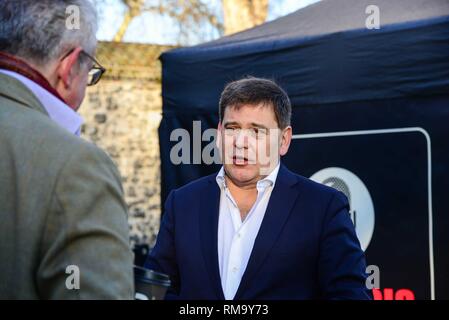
<point>10,63</point>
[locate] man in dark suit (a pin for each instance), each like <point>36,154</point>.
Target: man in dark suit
<point>256,230</point>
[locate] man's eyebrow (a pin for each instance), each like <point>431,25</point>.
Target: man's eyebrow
<point>253,124</point>
<point>257,125</point>
<point>230,123</point>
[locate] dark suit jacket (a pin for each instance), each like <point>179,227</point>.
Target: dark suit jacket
<point>306,247</point>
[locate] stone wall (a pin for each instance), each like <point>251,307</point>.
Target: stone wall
<point>122,114</point>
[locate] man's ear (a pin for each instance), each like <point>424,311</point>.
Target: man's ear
<point>68,67</point>
<point>286,138</point>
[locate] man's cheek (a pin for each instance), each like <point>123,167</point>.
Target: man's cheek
<point>262,149</point>
<point>227,151</point>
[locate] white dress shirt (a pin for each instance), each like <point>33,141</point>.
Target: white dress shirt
<point>236,238</point>
<point>58,111</point>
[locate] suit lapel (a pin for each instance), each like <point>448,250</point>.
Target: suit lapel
<point>210,206</point>
<point>281,202</point>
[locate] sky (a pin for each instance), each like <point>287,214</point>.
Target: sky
<point>157,29</point>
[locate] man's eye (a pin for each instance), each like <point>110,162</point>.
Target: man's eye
<point>259,131</point>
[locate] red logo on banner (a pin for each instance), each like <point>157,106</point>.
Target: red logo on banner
<point>389,294</point>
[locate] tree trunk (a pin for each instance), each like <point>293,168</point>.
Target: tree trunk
<point>244,14</point>
<point>134,9</point>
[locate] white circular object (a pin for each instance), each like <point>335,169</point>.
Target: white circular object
<point>360,202</point>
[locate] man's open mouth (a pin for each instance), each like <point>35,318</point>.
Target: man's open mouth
<point>237,160</point>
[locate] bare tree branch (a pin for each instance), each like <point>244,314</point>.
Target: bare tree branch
<point>192,16</point>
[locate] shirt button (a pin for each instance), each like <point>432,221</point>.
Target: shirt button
<point>234,269</point>
<point>239,235</point>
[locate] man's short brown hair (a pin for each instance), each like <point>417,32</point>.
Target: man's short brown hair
<point>254,91</point>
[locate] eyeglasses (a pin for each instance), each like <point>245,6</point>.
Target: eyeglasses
<point>95,72</point>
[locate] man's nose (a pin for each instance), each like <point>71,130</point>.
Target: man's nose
<point>241,140</point>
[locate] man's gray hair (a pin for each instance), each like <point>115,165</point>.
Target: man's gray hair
<point>36,30</point>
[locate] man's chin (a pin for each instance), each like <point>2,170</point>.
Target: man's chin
<point>242,172</point>
<point>243,166</point>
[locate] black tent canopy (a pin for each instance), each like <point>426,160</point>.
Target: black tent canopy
<point>322,53</point>
<point>332,16</point>
<point>387,89</point>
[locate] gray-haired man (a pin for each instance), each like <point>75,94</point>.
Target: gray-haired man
<point>63,221</point>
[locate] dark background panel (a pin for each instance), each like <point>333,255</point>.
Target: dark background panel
<point>400,242</point>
